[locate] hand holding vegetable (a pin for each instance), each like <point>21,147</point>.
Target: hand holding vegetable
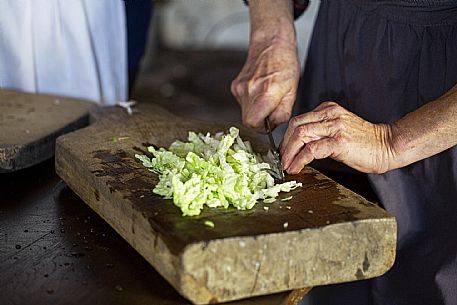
<point>332,131</point>
<point>267,84</point>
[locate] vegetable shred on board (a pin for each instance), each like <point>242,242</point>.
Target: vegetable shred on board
<point>213,171</point>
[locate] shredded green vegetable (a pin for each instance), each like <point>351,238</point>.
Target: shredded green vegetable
<point>216,171</point>
<point>209,223</point>
<point>269,200</point>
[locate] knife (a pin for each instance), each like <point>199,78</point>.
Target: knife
<point>277,166</point>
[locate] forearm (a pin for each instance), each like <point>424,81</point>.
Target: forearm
<point>271,19</point>
<point>425,132</point>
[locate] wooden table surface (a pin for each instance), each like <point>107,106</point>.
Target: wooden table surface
<point>55,250</point>
<point>31,123</point>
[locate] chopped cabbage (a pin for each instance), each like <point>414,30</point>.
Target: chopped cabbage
<point>287,198</point>
<point>216,171</point>
<point>209,223</point>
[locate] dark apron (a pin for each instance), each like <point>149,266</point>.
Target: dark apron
<point>381,60</point>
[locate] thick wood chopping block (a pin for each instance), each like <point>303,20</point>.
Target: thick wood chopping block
<point>30,124</point>
<point>325,234</point>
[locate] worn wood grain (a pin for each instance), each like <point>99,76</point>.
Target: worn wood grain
<point>30,124</point>
<point>332,234</point>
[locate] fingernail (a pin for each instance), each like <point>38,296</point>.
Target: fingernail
<point>288,169</point>
<point>292,171</point>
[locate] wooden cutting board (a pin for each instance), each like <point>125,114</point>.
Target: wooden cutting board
<point>30,124</point>
<point>325,234</point>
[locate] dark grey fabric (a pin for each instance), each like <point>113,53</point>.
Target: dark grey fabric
<point>381,60</point>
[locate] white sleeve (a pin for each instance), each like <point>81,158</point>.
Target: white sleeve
<point>72,48</point>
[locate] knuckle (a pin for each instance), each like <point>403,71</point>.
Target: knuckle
<point>276,119</point>
<point>311,147</point>
<point>294,122</point>
<point>323,115</point>
<point>339,124</point>
<point>246,122</point>
<point>239,88</point>
<point>302,130</point>
<point>333,109</point>
<point>286,116</point>
<point>330,103</point>
<point>249,121</point>
<point>280,116</point>
<point>340,140</point>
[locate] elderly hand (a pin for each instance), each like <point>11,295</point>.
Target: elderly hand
<point>332,131</point>
<point>267,84</point>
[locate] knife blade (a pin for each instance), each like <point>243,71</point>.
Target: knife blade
<point>274,152</point>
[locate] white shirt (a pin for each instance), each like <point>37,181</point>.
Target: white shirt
<point>74,48</point>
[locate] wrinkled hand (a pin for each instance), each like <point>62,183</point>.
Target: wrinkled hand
<point>332,131</point>
<point>267,84</point>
